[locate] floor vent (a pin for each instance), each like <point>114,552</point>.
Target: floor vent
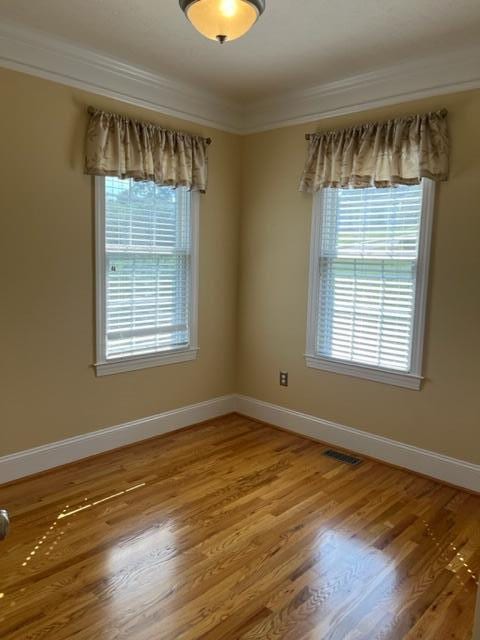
<point>342,457</point>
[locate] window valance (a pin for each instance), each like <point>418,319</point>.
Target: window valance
<point>380,154</point>
<point>120,146</point>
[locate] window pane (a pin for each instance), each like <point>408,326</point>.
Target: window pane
<point>368,264</point>
<point>147,238</point>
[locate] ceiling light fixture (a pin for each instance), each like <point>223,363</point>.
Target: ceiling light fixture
<point>223,20</point>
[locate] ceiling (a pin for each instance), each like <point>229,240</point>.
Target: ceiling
<point>297,44</point>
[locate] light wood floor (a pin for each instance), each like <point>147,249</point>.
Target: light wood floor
<point>234,529</point>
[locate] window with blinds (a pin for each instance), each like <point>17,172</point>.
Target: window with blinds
<point>367,278</point>
<point>147,263</point>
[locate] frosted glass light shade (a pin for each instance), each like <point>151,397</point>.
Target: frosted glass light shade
<point>223,20</point>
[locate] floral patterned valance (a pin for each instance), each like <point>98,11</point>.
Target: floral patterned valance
<point>128,148</point>
<point>380,154</point>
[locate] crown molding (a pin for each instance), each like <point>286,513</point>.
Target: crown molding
<point>426,77</point>
<point>42,55</point>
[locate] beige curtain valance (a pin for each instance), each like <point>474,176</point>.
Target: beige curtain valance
<point>128,148</point>
<point>381,154</point>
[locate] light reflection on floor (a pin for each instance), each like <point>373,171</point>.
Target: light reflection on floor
<point>67,514</point>
<point>149,556</point>
<point>154,554</point>
<point>52,535</point>
<point>452,564</point>
<point>349,551</point>
<point>372,566</point>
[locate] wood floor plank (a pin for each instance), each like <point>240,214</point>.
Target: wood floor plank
<point>236,530</point>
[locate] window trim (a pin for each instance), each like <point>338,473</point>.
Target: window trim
<point>105,367</point>
<point>413,378</point>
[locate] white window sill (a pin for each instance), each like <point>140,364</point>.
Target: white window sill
<point>121,365</point>
<point>385,376</point>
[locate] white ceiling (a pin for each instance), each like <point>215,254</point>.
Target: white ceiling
<point>297,44</point>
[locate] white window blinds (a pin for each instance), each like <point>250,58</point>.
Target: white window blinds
<point>147,263</point>
<point>368,251</point>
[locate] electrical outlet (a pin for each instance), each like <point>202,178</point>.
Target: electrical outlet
<point>284,378</point>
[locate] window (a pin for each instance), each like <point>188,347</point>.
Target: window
<point>368,281</point>
<point>146,275</point>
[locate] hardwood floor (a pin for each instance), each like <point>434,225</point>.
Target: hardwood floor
<point>236,530</point>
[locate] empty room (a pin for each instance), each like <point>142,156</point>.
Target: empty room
<point>240,320</point>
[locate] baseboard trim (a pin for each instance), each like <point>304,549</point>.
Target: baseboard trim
<point>450,470</point>
<point>38,459</point>
<point>435,465</point>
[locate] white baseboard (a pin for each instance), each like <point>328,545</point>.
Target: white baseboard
<point>456,472</point>
<point>25,463</point>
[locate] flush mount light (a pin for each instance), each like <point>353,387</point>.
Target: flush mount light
<point>223,20</point>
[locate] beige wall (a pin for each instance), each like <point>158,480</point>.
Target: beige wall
<point>48,389</point>
<point>444,416</point>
